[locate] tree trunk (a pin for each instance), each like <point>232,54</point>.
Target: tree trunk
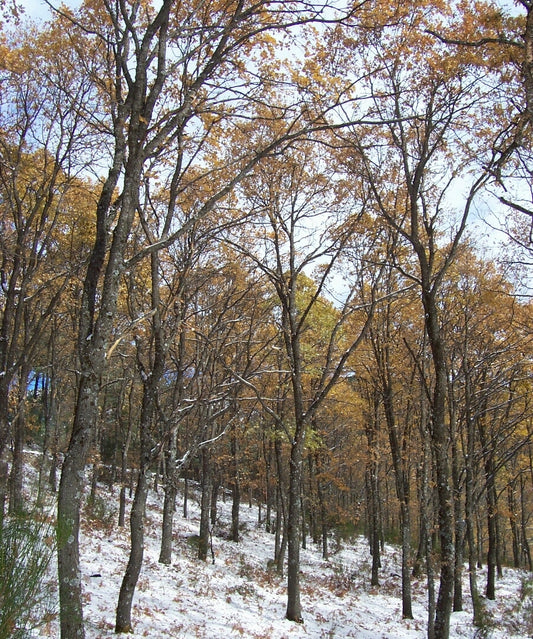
<point>213,509</point>
<point>280,542</point>
<point>459,532</point>
<point>124,469</point>
<point>303,522</point>
<point>5,427</point>
<point>16,501</point>
<point>426,513</point>
<point>440,445</point>
<point>515,535</point>
<point>401,475</point>
<point>185,497</point>
<point>48,401</point>
<point>523,525</point>
<point>490,491</point>
<point>205,505</point>
<point>4,472</point>
<point>129,582</point>
<point>323,519</point>
<point>469,509</point>
<point>447,556</point>
<point>373,525</point>
<point>70,493</point>
<point>294,607</point>
<point>372,490</point>
<point>267,455</point>
<point>236,490</point>
<point>282,547</point>
<point>151,375</point>
<point>169,507</point>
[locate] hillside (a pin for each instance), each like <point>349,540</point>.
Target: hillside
<point>238,596</point>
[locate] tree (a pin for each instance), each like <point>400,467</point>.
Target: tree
<point>385,335</point>
<point>42,201</point>
<point>301,229</point>
<point>499,38</point>
<point>422,112</point>
<point>166,82</point>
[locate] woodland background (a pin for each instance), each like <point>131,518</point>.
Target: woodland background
<point>281,249</point>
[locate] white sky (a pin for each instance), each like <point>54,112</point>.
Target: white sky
<point>38,9</point>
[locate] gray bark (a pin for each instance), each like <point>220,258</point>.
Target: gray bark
<point>151,373</point>
<point>16,501</point>
<point>123,621</point>
<point>478,616</point>
<point>205,505</point>
<point>70,494</point>
<point>169,504</point>
<point>236,490</point>
<point>294,607</point>
<point>96,325</point>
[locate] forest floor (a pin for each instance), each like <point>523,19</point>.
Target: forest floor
<point>237,595</point>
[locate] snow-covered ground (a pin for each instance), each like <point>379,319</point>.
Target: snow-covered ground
<point>239,596</point>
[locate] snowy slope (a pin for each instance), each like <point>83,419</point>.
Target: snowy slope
<point>238,596</point>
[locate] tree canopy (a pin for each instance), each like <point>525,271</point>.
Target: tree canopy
<point>242,243</point>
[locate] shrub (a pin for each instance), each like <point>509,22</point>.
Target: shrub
<point>26,602</point>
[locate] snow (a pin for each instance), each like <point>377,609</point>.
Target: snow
<point>239,596</point>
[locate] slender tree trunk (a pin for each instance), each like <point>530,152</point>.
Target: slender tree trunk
<point>4,472</point>
<point>169,505</point>
<point>122,507</point>
<point>490,491</point>
<point>281,510</point>
<point>47,401</point>
<point>373,524</point>
<point>523,525</point>
<point>129,582</point>
<point>278,524</point>
<point>428,549</point>
<point>440,443</point>
<point>372,489</point>
<point>282,550</point>
<point>459,533</point>
<point>499,569</point>
<point>151,377</point>
<point>236,489</point>
<point>205,505</point>
<point>426,513</point>
<point>185,497</point>
<point>124,474</point>
<point>477,605</point>
<point>5,427</point>
<point>447,554</point>
<point>213,510</point>
<point>124,452</point>
<point>16,501</point>
<point>472,555</point>
<point>401,475</point>
<point>294,607</point>
<point>303,523</point>
<point>8,327</point>
<point>405,524</point>
<point>515,535</point>
<point>70,493</point>
<point>267,455</point>
<point>323,519</point>
<point>420,488</point>
<point>479,539</point>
